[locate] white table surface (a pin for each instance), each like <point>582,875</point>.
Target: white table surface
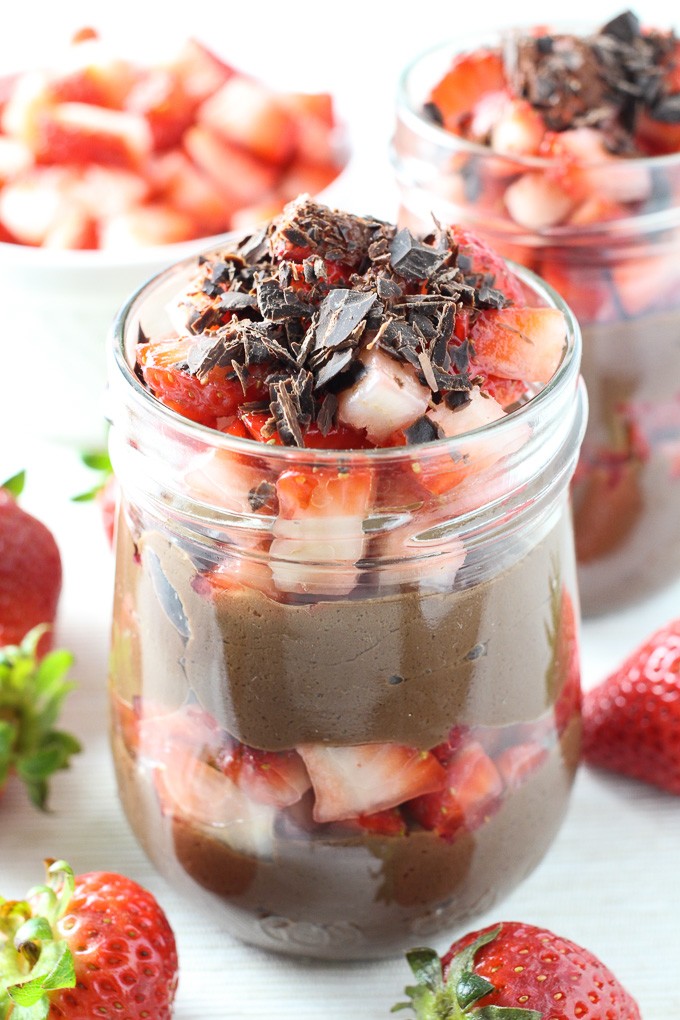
<point>611,881</point>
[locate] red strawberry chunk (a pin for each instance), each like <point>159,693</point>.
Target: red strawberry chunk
<point>472,790</point>
<point>382,823</point>
<point>485,261</point>
<point>163,365</point>
<point>159,98</point>
<point>471,77</point>
<point>353,781</point>
<point>519,343</point>
<point>515,764</point>
<point>269,777</point>
<point>339,437</point>
<point>247,114</point>
<point>323,492</point>
<point>80,133</point>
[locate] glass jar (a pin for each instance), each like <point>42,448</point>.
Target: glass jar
<point>296,693</point>
<point>615,258</point>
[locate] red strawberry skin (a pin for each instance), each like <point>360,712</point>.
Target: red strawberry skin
<point>30,573</point>
<point>124,952</point>
<point>532,968</point>
<point>632,719</point>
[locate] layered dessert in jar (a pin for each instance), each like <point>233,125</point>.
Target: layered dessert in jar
<point>345,672</point>
<point>563,148</point>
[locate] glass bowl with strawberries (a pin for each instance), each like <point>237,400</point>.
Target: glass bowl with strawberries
<point>345,671</point>
<point>563,148</point>
<point>113,166</point>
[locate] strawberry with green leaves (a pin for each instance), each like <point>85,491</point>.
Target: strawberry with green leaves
<point>84,946</point>
<point>632,719</point>
<point>32,691</point>
<point>515,971</point>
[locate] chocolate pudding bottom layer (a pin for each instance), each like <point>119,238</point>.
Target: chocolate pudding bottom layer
<point>496,659</point>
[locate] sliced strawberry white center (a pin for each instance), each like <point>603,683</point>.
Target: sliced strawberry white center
<point>350,781</point>
<point>386,398</point>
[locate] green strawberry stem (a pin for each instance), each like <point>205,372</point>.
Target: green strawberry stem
<point>32,692</point>
<point>34,961</point>
<point>99,461</point>
<point>434,998</point>
<point>15,484</point>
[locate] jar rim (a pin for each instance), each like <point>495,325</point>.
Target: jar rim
<point>566,376</point>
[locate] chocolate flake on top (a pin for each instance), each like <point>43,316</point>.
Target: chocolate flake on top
<point>302,300</point>
<point>603,80</point>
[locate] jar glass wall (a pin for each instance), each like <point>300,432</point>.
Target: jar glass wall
<point>415,629</point>
<point>615,258</point>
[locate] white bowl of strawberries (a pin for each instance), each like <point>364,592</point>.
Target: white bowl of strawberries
<point>109,171</point>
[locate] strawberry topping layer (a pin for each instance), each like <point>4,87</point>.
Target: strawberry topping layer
<point>324,325</point>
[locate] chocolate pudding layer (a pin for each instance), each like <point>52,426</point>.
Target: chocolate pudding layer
<point>393,890</point>
<point>402,668</point>
<point>626,492</point>
<point>495,662</point>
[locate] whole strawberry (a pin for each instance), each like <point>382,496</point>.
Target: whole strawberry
<point>32,690</point>
<point>30,570</point>
<point>515,971</point>
<point>632,719</point>
<point>82,947</point>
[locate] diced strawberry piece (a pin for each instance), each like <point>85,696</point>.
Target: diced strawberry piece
<point>585,167</point>
<point>29,99</point>
<point>587,289</point>
<point>646,283</point>
<point>310,105</point>
<point>190,789</point>
<point>75,229</point>
<point>444,473</point>
<point>485,261</point>
<point>505,392</point>
<point>189,728</point>
<point>477,412</point>
<point>33,204</point>
<point>304,178</point>
<point>536,201</point>
<point>247,114</point>
<point>339,437</point>
<point>314,120</point>
<point>15,158</point>
<point>486,112</point>
<point>278,778</point>
<point>597,209</point>
<point>241,177</point>
<point>515,764</point>
<point>352,781</point>
<point>319,536</point>
<point>471,77</point>
<point>105,190</point>
<point>146,225</point>
<point>656,137</point>
<point>382,823</point>
<point>386,398</point>
<point>89,71</point>
<point>159,97</point>
<point>471,792</point>
<point>518,130</point>
<point>200,71</point>
<point>189,191</point>
<point>79,133</point>
<point>217,396</point>
<point>519,343</point>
